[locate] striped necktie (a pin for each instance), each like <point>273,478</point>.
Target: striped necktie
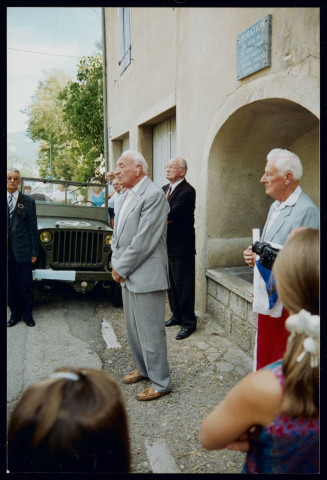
<point>10,205</point>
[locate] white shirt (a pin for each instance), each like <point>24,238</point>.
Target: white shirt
<point>15,197</point>
<point>111,202</point>
<point>278,206</point>
<point>117,200</point>
<point>110,187</point>
<point>174,185</point>
<point>59,196</point>
<point>131,193</point>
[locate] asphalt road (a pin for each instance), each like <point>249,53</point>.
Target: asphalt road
<point>77,330</point>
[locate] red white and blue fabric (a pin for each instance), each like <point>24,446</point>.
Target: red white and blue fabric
<point>269,280</point>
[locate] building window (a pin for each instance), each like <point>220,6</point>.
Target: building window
<point>164,148</point>
<point>125,38</point>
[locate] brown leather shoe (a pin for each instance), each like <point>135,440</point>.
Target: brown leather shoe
<point>133,377</point>
<point>149,394</point>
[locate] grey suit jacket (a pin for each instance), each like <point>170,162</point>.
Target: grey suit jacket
<point>303,213</point>
<point>139,249</point>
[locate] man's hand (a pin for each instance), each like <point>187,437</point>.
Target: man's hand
<point>33,260</point>
<point>249,256</point>
<point>117,277</point>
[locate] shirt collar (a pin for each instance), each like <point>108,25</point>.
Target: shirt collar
<point>174,185</point>
<point>137,186</point>
<point>291,200</point>
<point>15,194</point>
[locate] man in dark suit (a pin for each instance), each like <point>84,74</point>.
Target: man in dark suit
<point>181,247</point>
<point>23,247</point>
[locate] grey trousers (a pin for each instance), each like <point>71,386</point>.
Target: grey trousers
<point>145,322</point>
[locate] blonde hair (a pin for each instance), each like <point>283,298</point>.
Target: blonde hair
<point>78,425</point>
<point>296,271</point>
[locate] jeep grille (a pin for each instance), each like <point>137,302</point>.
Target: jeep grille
<point>78,248</point>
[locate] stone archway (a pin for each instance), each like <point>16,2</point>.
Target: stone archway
<point>236,199</point>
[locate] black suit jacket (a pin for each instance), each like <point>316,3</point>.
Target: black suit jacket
<point>24,241</point>
<point>180,231</point>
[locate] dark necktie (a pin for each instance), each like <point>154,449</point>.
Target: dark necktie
<point>169,192</point>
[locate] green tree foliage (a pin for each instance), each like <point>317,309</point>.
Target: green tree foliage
<point>83,113</point>
<point>67,118</point>
<point>46,122</point>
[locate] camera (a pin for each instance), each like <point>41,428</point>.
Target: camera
<point>267,253</point>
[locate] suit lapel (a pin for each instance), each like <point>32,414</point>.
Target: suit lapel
<point>131,206</point>
<point>278,223</point>
<point>12,220</point>
<point>179,187</point>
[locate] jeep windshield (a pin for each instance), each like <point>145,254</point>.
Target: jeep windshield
<point>59,198</point>
<point>87,194</point>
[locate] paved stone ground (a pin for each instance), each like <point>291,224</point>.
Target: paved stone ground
<point>204,367</point>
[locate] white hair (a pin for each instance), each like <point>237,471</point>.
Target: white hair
<point>182,162</point>
<point>286,161</point>
<point>138,159</point>
<point>13,169</point>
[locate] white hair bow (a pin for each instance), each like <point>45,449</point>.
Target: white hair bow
<point>309,325</point>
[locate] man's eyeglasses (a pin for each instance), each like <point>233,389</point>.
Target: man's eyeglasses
<point>15,179</point>
<point>170,167</point>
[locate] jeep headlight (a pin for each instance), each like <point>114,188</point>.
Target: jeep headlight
<point>45,237</point>
<point>107,239</point>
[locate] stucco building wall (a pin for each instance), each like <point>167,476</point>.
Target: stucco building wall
<point>183,63</point>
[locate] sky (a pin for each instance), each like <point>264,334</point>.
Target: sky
<point>59,35</point>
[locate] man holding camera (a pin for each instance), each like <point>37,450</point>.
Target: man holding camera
<point>292,209</point>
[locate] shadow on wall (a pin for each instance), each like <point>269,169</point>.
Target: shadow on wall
<point>236,199</point>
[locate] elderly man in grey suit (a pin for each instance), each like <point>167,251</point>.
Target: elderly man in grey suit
<point>140,264</point>
<point>292,209</point>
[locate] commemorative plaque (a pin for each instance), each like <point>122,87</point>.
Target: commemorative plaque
<point>253,48</point>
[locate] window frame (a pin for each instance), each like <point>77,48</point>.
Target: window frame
<point>124,38</point>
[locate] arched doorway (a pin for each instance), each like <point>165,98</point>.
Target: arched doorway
<point>236,199</point>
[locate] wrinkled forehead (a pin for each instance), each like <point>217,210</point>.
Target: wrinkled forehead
<point>126,161</point>
<point>175,163</point>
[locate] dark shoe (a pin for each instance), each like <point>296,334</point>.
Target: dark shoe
<point>184,333</point>
<point>171,322</point>
<point>12,321</point>
<point>30,322</point>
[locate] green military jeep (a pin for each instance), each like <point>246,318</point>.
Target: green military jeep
<point>74,234</point>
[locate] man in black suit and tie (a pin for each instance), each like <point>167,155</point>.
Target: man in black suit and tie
<point>181,247</point>
<point>23,245</point>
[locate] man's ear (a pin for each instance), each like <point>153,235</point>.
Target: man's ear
<point>288,178</point>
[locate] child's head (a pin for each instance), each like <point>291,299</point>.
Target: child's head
<point>296,272</point>
<point>75,421</point>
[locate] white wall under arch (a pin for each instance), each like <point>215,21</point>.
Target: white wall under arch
<point>261,123</point>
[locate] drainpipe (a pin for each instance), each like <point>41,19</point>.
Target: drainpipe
<point>105,107</point>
